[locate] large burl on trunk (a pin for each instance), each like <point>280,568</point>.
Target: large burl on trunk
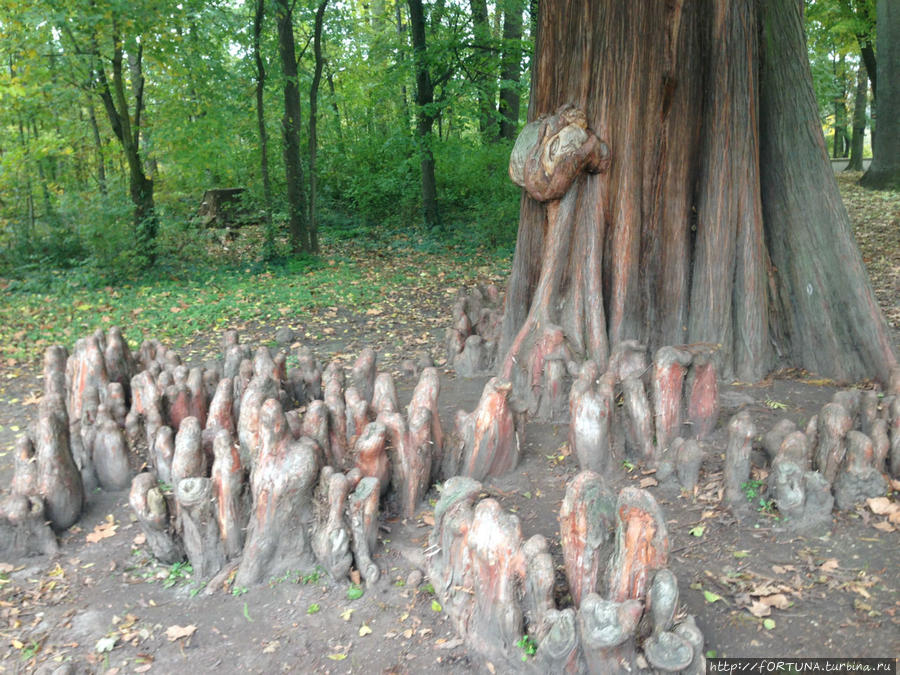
<point>718,219</point>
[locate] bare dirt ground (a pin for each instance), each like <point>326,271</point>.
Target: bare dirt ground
<point>105,606</point>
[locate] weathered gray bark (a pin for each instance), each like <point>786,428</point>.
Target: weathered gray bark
<point>859,120</point>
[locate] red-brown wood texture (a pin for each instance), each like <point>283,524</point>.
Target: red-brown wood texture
<point>719,219</point>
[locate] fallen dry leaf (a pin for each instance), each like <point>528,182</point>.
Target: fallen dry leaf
<point>177,632</point>
<point>884,526</point>
<point>270,647</point>
<point>104,530</point>
<point>776,600</point>
<point>829,565</point>
<point>364,630</point>
<point>882,506</point>
<point>649,481</point>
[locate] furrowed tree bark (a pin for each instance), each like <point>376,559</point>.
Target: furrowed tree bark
<point>828,318</point>
<point>291,124</point>
<point>884,172</point>
<point>719,220</point>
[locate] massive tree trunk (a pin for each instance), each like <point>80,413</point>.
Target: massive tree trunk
<point>291,124</point>
<point>719,220</point>
<point>425,115</point>
<point>884,172</point>
<point>859,120</point>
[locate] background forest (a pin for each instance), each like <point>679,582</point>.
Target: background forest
<point>376,120</point>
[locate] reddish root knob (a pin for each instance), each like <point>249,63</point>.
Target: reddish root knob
<point>642,545</point>
<point>585,527</point>
<point>488,435</point>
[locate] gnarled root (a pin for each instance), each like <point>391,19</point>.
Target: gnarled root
<point>741,431</point>
<point>282,484</point>
<point>487,436</point>
<point>362,511</point>
<point>585,529</point>
<point>199,527</point>
<point>331,531</point>
<point>149,505</point>
<point>23,527</point>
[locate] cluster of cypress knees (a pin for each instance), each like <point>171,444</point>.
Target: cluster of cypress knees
<point>243,465</point>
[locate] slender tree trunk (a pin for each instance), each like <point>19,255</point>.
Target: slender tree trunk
<point>291,125</point>
<point>484,68</point>
<point>49,211</point>
<point>128,132</point>
<point>884,172</point>
<point>859,120</point>
<point>425,116</point>
<point>401,57</point>
<point>258,16</point>
<point>338,124</point>
<point>719,220</point>
<point>29,189</point>
<point>313,121</point>
<point>510,69</point>
<point>840,122</point>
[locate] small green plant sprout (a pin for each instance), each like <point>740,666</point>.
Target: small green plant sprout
<point>528,646</point>
<point>178,572</point>
<point>753,490</point>
<point>313,577</point>
<point>238,591</point>
<point>355,592</point>
<point>313,608</point>
<point>29,651</point>
<point>628,466</point>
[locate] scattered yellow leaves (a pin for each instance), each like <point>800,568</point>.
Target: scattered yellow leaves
<point>364,630</point>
